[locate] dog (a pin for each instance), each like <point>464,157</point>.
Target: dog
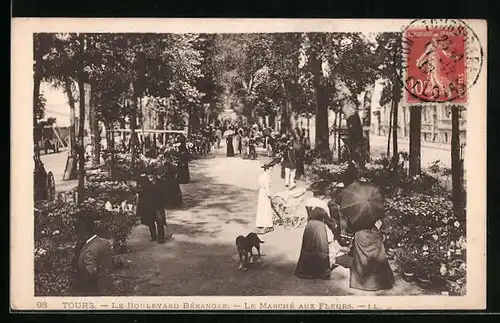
<point>245,246</point>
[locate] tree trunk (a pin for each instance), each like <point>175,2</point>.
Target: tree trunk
<point>272,120</point>
<point>133,124</point>
<point>389,133</point>
<point>94,131</point>
<point>338,137</point>
<point>37,81</point>
<point>355,133</point>
<point>110,143</point>
<point>395,131</point>
<point>285,120</point>
<point>81,147</point>
<point>367,113</point>
<point>322,134</point>
<point>70,171</point>
<point>145,119</point>
<point>335,146</point>
<point>415,137</point>
<point>308,127</point>
<point>36,95</point>
<point>395,153</point>
<point>456,167</point>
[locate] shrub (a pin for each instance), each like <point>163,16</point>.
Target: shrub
<point>55,237</point>
<point>424,235</point>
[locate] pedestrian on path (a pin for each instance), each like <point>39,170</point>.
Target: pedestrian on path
<point>264,218</point>
<point>300,150</point>
<point>290,164</point>
<point>251,146</point>
<point>245,142</point>
<point>151,209</point>
<point>239,138</point>
<point>229,146</point>
<point>318,240</point>
<point>218,137</point>
<point>183,167</point>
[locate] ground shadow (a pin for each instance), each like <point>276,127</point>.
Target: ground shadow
<point>174,271</point>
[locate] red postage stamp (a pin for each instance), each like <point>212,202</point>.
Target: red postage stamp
<point>435,65</point>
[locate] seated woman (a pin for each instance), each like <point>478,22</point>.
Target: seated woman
<point>316,255</point>
<point>370,268</point>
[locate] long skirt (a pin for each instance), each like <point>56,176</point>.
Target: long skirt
<point>264,218</point>
<point>183,173</point>
<point>174,194</point>
<point>240,146</point>
<point>229,149</point>
<point>370,269</point>
<point>245,152</point>
<point>314,260</point>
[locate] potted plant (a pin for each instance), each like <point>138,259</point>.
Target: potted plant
<point>423,277</point>
<point>407,264</point>
<point>409,272</point>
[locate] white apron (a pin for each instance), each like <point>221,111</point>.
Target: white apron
<point>264,218</point>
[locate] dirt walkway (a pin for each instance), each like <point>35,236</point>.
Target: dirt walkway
<point>201,258</point>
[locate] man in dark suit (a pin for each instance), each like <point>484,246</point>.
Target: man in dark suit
<point>151,205</point>
<point>290,164</point>
<point>91,262</point>
<point>300,152</point>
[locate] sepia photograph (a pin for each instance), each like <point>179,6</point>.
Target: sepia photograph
<point>323,163</point>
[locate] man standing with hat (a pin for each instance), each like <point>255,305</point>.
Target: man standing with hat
<point>290,164</point>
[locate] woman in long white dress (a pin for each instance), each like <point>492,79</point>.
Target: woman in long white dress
<point>264,218</point>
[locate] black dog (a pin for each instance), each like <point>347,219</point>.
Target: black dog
<point>245,246</point>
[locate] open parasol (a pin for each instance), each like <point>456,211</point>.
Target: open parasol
<point>362,204</point>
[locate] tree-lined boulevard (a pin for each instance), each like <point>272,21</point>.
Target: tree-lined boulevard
<point>158,105</point>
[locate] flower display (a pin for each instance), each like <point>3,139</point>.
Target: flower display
<point>425,237</point>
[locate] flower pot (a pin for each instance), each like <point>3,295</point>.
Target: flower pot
<point>424,282</point>
<point>408,276</point>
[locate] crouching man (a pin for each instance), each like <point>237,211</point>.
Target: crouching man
<point>91,262</point>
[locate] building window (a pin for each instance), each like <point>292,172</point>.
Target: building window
<point>434,137</point>
<point>446,137</point>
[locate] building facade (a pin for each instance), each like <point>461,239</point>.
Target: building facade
<point>435,126</point>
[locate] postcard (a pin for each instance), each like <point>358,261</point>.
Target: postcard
<point>248,164</point>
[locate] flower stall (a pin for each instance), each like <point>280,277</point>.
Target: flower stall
<point>424,238</point>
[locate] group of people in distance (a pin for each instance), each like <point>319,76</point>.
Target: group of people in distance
<point>244,140</point>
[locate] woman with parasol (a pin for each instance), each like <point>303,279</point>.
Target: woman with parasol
<point>363,206</point>
<point>321,241</point>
